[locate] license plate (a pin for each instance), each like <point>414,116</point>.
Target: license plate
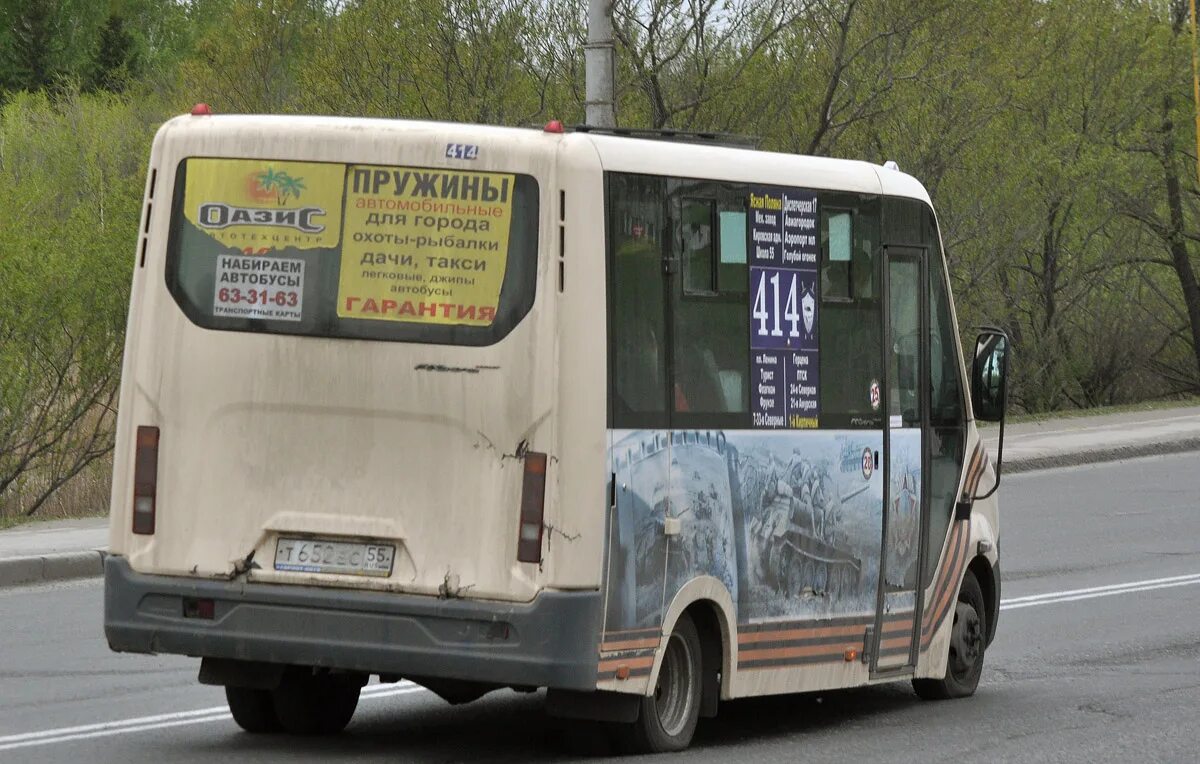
<point>340,557</point>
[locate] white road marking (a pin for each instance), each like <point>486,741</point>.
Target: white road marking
<point>164,721</point>
<point>221,713</point>
<point>1074,595</point>
<point>129,729</point>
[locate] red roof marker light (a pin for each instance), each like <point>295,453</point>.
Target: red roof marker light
<point>201,110</point>
<point>553,126</point>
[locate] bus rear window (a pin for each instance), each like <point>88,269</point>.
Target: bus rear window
<point>361,251</point>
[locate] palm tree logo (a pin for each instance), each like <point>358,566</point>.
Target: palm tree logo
<point>284,185</point>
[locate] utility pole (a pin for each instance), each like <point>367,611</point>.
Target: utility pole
<point>599,66</point>
<point>1196,87</point>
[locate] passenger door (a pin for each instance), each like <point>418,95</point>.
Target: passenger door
<point>709,393</point>
<point>905,357</point>
<point>639,417</point>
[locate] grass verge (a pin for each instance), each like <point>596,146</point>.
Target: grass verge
<point>86,495</point>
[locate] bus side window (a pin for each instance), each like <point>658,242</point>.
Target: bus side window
<point>709,316</point>
<point>851,370</point>
<point>946,410</point>
<point>699,271</point>
<point>836,246</point>
<point>637,332</point>
<point>732,274</point>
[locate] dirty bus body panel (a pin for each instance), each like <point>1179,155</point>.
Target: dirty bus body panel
<point>299,425</point>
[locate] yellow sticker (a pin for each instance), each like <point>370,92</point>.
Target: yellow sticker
<point>258,205</point>
<point>424,246</point>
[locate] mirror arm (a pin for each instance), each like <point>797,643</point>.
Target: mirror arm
<point>999,461</point>
<point>1003,412</point>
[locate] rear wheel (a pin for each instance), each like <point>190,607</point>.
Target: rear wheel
<point>667,719</point>
<point>252,709</point>
<point>316,704</point>
<point>965,663</point>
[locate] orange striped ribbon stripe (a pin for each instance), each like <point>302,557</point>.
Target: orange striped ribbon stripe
<point>956,558</point>
<point>947,582</point>
<point>630,652</point>
<point>975,470</point>
<point>799,643</point>
<point>897,636</point>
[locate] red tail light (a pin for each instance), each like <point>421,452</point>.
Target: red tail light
<point>145,480</point>
<point>199,608</point>
<point>533,505</point>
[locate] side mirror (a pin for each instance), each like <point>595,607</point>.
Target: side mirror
<point>989,376</point>
<point>989,386</point>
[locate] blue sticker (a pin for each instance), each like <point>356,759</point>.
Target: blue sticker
<point>462,151</point>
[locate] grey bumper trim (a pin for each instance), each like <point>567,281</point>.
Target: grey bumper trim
<point>550,642</point>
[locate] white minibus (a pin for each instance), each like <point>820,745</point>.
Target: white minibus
<point>642,419</point>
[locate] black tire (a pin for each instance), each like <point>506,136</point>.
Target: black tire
<point>667,719</point>
<point>316,704</point>
<point>253,710</point>
<point>968,633</point>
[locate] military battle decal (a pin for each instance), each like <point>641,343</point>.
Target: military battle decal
<point>790,524</point>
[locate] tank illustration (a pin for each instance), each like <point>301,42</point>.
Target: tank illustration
<point>794,528</point>
<point>789,522</point>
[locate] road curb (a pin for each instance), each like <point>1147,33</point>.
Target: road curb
<point>1100,455</point>
<point>40,569</point>
<point>67,566</point>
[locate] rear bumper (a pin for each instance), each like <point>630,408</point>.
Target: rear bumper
<point>550,642</point>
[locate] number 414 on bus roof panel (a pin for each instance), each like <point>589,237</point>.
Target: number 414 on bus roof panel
<point>783,307</point>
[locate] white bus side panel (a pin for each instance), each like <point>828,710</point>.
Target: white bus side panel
<point>573,542</point>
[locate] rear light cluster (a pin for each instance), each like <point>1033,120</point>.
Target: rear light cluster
<point>533,506</point>
<point>202,608</point>
<point>145,480</point>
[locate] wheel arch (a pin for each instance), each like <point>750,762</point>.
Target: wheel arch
<point>711,608</point>
<point>989,584</point>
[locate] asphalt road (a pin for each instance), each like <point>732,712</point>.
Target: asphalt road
<point>1106,674</point>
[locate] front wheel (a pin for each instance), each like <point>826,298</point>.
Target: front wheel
<point>965,663</point>
<point>667,719</point>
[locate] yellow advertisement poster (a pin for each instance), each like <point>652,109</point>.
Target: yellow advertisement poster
<point>258,205</point>
<point>424,245</point>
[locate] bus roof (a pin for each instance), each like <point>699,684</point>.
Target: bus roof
<point>616,152</point>
<point>685,159</point>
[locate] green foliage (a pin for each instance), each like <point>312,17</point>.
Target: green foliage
<point>71,175</point>
<point>45,41</point>
<point>117,56</point>
<point>464,60</point>
<point>1056,137</point>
